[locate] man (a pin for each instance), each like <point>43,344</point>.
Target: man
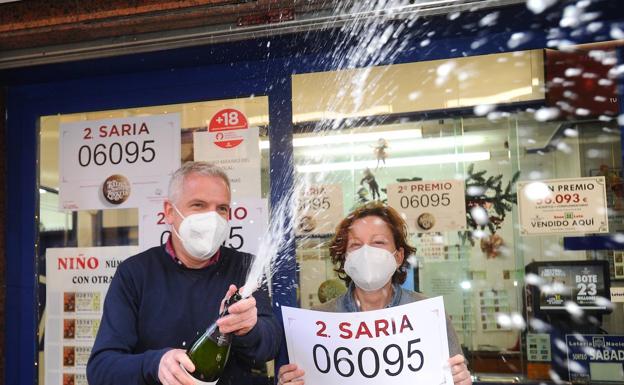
<point>161,298</point>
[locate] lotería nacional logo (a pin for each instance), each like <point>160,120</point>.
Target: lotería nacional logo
<point>116,189</point>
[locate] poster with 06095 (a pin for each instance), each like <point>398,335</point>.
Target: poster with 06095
<point>118,162</point>
<point>401,345</point>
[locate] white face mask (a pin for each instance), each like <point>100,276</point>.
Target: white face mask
<point>369,267</point>
<point>202,234</point>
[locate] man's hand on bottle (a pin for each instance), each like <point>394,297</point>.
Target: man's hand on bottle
<point>170,372</point>
<point>243,315</point>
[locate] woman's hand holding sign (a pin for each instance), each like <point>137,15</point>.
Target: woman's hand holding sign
<point>377,331</point>
<point>290,375</point>
<point>461,375</point>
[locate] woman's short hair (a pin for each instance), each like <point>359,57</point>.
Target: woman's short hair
<point>398,227</point>
<point>202,168</point>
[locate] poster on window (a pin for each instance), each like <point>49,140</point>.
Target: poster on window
<point>400,345</point>
<point>153,227</point>
<point>432,247</point>
<point>117,163</point>
<point>555,206</point>
<point>77,280</point>
<point>584,284</point>
<point>430,206</point>
<point>248,220</point>
<point>597,357</point>
<point>232,144</point>
<point>319,209</point>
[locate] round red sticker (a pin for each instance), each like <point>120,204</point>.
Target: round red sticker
<point>228,127</point>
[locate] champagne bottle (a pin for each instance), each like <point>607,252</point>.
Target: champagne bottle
<point>210,350</point>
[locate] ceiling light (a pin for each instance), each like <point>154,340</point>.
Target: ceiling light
<point>324,138</point>
<point>395,162</point>
<point>397,146</point>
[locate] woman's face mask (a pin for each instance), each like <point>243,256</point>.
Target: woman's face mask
<point>369,267</point>
<point>202,234</point>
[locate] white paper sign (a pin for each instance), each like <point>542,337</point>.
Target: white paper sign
<point>153,228</point>
<point>402,345</point>
<point>116,163</point>
<point>77,280</point>
<point>319,209</point>
<point>232,145</point>
<point>248,222</point>
<point>617,294</point>
<point>430,206</point>
<point>432,246</point>
<point>575,205</point>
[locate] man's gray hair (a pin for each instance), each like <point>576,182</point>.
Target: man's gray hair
<point>188,168</point>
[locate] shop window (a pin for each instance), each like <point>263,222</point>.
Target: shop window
<point>355,153</point>
<point>77,228</point>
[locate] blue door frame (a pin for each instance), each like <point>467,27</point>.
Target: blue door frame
<point>238,69</point>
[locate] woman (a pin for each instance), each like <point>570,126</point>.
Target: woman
<point>369,252</point>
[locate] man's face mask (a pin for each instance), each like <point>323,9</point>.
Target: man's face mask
<point>369,267</point>
<point>202,234</point>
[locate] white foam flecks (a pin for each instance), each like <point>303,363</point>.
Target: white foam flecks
<point>275,237</point>
<point>484,109</point>
<point>517,321</point>
<point>453,15</point>
<point>534,175</point>
<point>618,237</point>
<point>414,95</point>
<point>539,6</point>
<point>478,43</point>
<point>479,234</point>
<point>444,71</point>
<point>536,190</point>
<point>573,308</point>
<point>571,17</point>
<point>475,190</point>
<point>369,42</point>
<point>555,377</point>
<point>497,115</point>
<point>570,132</point>
<point>574,16</point>
<point>616,32</point>
<point>575,367</point>
<point>538,325</point>
<point>479,215</point>
<point>511,321</point>
<point>561,44</point>
<point>489,20</point>
<point>594,27</point>
<point>545,114</point>
<point>572,72</point>
<point>517,39</point>
<point>602,301</point>
<point>504,320</point>
<point>594,153</point>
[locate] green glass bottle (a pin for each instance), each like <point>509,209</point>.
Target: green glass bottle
<point>210,350</point>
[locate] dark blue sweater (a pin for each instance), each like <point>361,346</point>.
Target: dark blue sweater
<point>154,304</point>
